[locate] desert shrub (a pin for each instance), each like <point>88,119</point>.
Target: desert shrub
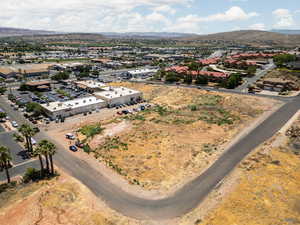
<point>31,174</point>
<point>91,130</point>
<point>18,138</point>
<point>193,107</point>
<point>87,148</point>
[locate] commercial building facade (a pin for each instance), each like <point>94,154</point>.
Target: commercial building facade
<point>73,107</point>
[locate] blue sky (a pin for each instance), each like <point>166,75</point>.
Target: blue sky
<point>190,16</point>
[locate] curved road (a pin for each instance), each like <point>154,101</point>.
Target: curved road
<point>189,196</point>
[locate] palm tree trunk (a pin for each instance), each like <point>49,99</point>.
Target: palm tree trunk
<point>51,163</point>
<point>27,144</point>
<point>47,162</point>
<point>7,173</point>
<point>42,165</point>
<point>30,144</point>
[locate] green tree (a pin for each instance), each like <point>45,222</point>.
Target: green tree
<point>5,159</point>
<point>48,149</point>
<point>39,151</point>
<point>61,76</point>
<point>2,115</point>
<point>195,66</point>
<point>188,79</point>
<point>2,90</point>
<point>251,70</point>
<point>28,132</point>
<point>23,87</point>
<point>172,77</point>
<point>34,107</point>
<point>201,80</point>
<point>280,60</point>
<point>233,81</point>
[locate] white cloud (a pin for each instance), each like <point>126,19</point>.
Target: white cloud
<point>193,23</point>
<point>165,9</point>
<point>234,13</point>
<point>257,26</point>
<point>283,17</point>
<point>85,16</point>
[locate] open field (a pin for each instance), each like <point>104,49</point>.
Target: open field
<point>170,143</point>
<point>285,74</point>
<point>267,190</point>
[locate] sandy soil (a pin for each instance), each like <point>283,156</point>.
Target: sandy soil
<point>264,189</point>
<point>60,201</point>
<point>160,157</point>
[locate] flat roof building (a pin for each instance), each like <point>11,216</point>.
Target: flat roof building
<point>90,85</point>
<point>73,107</point>
<point>115,96</point>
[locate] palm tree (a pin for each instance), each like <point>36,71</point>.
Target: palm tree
<point>47,148</point>
<point>28,132</point>
<point>5,158</point>
<point>39,151</point>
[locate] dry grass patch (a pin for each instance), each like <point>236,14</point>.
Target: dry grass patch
<point>178,137</point>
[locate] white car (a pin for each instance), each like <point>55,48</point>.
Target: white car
<point>33,141</point>
<point>14,124</point>
<point>70,136</point>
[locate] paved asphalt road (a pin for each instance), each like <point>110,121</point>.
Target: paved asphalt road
<point>189,196</point>
<point>259,74</point>
<point>17,152</point>
<point>19,156</point>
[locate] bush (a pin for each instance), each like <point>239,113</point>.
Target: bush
<point>31,174</point>
<point>61,76</point>
<point>172,77</point>
<point>193,107</point>
<point>4,187</point>
<point>2,90</point>
<point>87,148</point>
<point>91,130</point>
<point>201,80</point>
<point>18,138</point>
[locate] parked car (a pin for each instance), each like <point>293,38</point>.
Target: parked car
<point>73,148</point>
<point>14,124</point>
<point>33,141</point>
<point>70,136</point>
<point>79,144</point>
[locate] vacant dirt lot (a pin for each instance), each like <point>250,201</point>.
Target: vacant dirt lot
<point>177,138</point>
<point>60,201</point>
<point>264,189</point>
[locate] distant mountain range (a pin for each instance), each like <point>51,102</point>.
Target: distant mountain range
<point>288,38</point>
<point>251,37</point>
<point>146,35</point>
<point>286,31</point>
<point>10,32</point>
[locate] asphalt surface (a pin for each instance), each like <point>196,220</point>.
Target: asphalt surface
<point>189,196</point>
<point>18,154</point>
<point>20,158</point>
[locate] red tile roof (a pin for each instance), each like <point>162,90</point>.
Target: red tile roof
<point>185,69</point>
<point>209,61</point>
